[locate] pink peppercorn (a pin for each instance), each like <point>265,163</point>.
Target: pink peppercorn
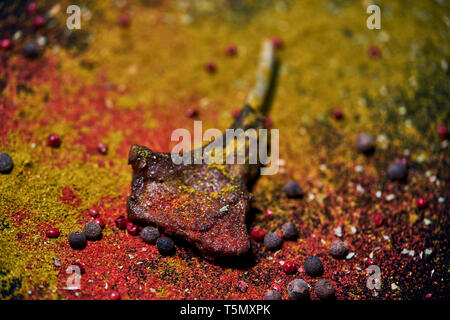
<point>132,228</point>
<point>231,50</point>
<point>338,114</point>
<point>268,122</point>
<point>52,233</point>
<point>124,20</point>
<point>236,113</point>
<point>257,234</point>
<point>403,160</point>
<point>32,7</point>
<point>442,131</point>
<point>53,141</point>
<point>93,212</point>
<point>268,214</point>
<point>102,148</point>
<point>5,44</point>
<point>421,203</point>
<point>38,22</point>
<point>210,67</point>
<point>374,52</point>
<point>114,295</point>
<point>242,286</point>
<point>190,113</point>
<point>100,222</point>
<point>277,43</point>
<point>121,222</point>
<point>289,267</point>
<point>378,219</point>
<point>368,262</point>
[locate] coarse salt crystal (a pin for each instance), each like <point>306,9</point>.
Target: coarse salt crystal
<point>338,232</point>
<point>350,255</point>
<point>390,197</point>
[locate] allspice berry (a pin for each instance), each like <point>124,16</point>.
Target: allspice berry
<point>396,171</point>
<point>93,231</point>
<point>272,241</point>
<point>272,295</point>
<point>77,240</point>
<point>324,290</point>
<point>298,289</point>
<point>313,266</point>
<point>338,249</point>
<point>289,231</point>
<point>31,50</point>
<point>365,143</point>
<point>165,246</point>
<point>6,163</point>
<point>150,235</point>
<point>293,190</point>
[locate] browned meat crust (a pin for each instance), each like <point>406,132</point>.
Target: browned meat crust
<point>202,204</point>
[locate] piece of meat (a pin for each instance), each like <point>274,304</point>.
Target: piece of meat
<point>204,204</point>
<point>199,203</point>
